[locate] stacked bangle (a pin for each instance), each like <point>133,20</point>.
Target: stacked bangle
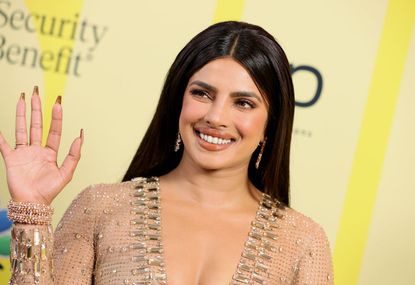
<point>29,213</point>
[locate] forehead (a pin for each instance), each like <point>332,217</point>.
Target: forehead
<point>226,74</point>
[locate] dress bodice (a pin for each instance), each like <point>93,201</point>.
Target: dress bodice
<point>111,234</point>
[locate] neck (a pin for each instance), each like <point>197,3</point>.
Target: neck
<point>227,188</point>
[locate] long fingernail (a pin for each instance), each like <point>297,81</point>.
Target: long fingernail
<point>81,135</point>
<point>36,90</point>
<point>59,100</point>
<point>22,96</point>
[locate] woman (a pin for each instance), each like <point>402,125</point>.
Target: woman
<point>210,204</point>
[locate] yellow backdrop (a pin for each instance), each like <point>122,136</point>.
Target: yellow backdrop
<point>353,66</point>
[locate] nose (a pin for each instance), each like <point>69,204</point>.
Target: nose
<point>217,114</point>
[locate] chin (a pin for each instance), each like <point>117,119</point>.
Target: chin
<point>211,165</point>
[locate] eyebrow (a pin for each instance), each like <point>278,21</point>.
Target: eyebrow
<point>213,89</point>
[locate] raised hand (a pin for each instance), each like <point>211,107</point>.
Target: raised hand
<point>31,169</point>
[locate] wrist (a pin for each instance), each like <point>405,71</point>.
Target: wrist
<point>32,198</point>
<point>29,213</point>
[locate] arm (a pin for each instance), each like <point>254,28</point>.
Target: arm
<point>34,179</point>
<point>74,253</point>
<point>315,268</point>
<point>69,259</point>
<point>31,254</point>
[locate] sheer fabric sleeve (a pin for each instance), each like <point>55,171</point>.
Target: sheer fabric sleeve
<point>60,258</point>
<point>31,254</point>
<point>315,267</point>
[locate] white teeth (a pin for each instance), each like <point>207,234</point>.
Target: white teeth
<point>213,140</point>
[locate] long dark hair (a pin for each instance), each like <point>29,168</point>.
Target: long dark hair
<point>256,50</point>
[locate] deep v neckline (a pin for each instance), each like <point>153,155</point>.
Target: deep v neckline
<point>255,256</point>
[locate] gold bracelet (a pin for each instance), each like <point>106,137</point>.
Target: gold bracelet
<point>29,213</point>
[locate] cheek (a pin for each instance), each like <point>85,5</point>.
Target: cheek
<point>191,110</point>
<point>254,125</point>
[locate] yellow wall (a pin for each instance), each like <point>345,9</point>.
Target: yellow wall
<point>352,156</point>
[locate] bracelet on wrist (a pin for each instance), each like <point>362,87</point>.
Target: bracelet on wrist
<point>29,213</point>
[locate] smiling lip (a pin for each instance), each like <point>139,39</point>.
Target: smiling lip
<point>213,146</point>
<point>214,133</point>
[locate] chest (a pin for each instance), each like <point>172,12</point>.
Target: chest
<point>202,247</point>
<point>141,243</point>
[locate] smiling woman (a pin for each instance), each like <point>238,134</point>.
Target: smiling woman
<point>206,197</point>
<point>216,109</point>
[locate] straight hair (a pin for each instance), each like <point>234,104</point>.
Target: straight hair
<point>264,59</point>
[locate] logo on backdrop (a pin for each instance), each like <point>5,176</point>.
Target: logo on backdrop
<point>66,31</point>
<point>58,34</point>
<point>312,95</point>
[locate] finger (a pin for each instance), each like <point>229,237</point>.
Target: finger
<point>55,131</point>
<point>21,129</point>
<point>4,147</point>
<point>36,119</point>
<point>71,160</point>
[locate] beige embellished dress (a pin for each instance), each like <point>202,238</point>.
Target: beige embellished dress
<point>110,234</point>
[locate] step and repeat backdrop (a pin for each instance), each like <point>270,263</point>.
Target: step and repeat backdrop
<point>353,65</point>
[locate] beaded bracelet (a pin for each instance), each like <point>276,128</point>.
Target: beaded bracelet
<point>29,213</point>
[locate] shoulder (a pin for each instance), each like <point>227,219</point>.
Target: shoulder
<point>104,191</point>
<point>304,226</point>
<point>298,233</point>
<point>103,196</point>
<point>308,249</point>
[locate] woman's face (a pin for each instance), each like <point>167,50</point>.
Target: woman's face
<point>223,116</point>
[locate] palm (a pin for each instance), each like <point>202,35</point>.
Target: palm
<point>38,166</point>
<point>32,171</point>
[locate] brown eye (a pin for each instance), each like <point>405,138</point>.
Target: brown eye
<point>245,104</point>
<point>199,93</point>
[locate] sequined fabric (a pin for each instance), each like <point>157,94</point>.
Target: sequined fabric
<point>110,234</point>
